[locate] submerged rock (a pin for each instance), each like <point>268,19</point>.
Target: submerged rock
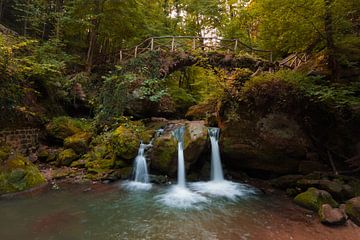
<point>17,173</point>
<point>352,209</point>
<point>331,216</point>
<point>314,198</point>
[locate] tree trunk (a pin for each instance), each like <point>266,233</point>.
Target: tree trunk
<point>93,36</point>
<point>2,6</point>
<point>329,34</point>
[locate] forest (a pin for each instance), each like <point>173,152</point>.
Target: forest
<point>246,112</point>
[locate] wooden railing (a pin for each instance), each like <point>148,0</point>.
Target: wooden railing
<point>294,60</point>
<point>188,44</point>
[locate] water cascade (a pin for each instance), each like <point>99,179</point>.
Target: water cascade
<point>140,171</point>
<point>216,168</point>
<point>218,186</point>
<point>179,196</point>
<point>179,135</point>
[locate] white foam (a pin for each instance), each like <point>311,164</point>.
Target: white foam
<point>181,197</point>
<point>226,189</point>
<point>136,186</point>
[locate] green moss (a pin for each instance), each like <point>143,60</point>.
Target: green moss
<point>352,209</point>
<point>79,142</point>
<point>125,142</point>
<point>314,198</point>
<point>19,174</point>
<point>4,152</point>
<point>165,151</point>
<point>66,157</point>
<point>99,161</point>
<point>62,127</point>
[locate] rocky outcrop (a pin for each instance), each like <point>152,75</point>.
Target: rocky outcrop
<point>273,143</point>
<point>352,209</point>
<point>66,157</point>
<point>163,155</point>
<point>314,198</point>
<point>79,142</point>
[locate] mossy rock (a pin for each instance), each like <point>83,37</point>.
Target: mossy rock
<point>125,142</point>
<point>79,142</point>
<point>352,209</point>
<point>66,157</point>
<point>99,161</point>
<point>314,198</point>
<point>5,151</point>
<point>19,174</point>
<point>62,127</point>
<point>163,155</point>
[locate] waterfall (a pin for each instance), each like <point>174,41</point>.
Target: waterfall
<point>216,168</point>
<point>179,135</point>
<point>140,166</point>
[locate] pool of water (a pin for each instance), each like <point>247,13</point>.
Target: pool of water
<point>110,212</point>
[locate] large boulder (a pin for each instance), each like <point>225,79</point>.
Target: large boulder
<point>352,209</point>
<point>60,128</point>
<point>273,143</point>
<point>66,157</point>
<point>17,173</point>
<point>79,142</point>
<point>331,216</point>
<point>163,155</point>
<point>314,198</point>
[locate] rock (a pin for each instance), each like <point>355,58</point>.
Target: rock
<point>336,189</point>
<point>306,167</point>
<point>352,209</point>
<point>274,143</point>
<point>123,174</point>
<point>331,216</point>
<point>99,161</point>
<point>4,152</point>
<point>43,154</point>
<point>66,157</point>
<point>79,142</point>
<point>62,127</point>
<point>163,154</point>
<point>287,181</point>
<point>314,198</point>
<point>78,163</point>
<point>17,173</point>
<point>158,179</point>
<point>125,142</point>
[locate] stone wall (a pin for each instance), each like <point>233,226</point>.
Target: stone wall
<point>21,139</point>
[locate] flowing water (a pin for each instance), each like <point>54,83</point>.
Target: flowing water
<point>79,212</point>
<point>218,186</point>
<point>140,172</point>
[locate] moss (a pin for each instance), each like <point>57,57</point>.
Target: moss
<point>66,157</point>
<point>99,161</point>
<point>19,174</point>
<point>125,142</point>
<point>314,198</point>
<point>352,209</point>
<point>4,152</point>
<point>165,151</point>
<point>62,127</point>
<point>79,142</point>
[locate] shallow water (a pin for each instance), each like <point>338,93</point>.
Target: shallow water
<point>110,212</point>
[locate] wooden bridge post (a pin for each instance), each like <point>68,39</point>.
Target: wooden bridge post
<point>136,49</point>
<point>172,44</point>
<point>152,44</point>
<point>236,45</point>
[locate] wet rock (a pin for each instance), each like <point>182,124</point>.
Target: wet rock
<point>331,216</point>
<point>314,198</point>
<point>79,142</point>
<point>99,161</point>
<point>163,154</point>
<point>336,189</point>
<point>159,179</point>
<point>66,157</point>
<point>17,173</point>
<point>352,209</point>
<point>274,143</point>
